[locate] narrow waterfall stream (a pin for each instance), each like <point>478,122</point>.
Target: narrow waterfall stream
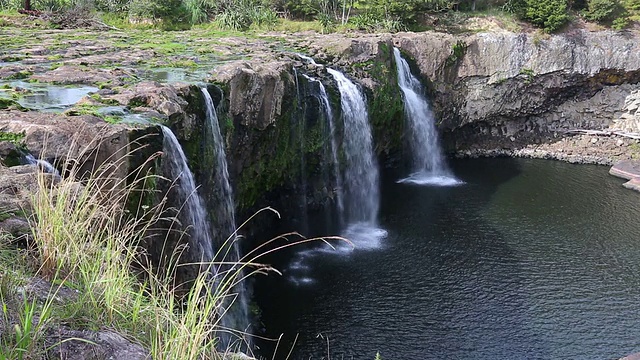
<point>43,164</point>
<point>333,143</point>
<point>228,247</point>
<point>190,203</point>
<point>361,178</point>
<point>429,166</point>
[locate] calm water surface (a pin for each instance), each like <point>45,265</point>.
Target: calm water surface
<point>529,259</point>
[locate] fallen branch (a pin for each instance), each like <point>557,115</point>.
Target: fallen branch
<point>603,133</point>
<point>34,13</point>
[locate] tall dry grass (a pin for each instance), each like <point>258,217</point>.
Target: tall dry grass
<point>88,236</point>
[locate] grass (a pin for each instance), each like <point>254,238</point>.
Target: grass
<point>87,239</point>
<point>122,22</point>
<point>292,26</point>
<point>164,46</point>
<point>14,138</point>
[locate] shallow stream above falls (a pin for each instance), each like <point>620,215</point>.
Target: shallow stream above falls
<point>530,259</point>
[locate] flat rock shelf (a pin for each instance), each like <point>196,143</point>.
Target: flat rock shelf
<point>629,170</point>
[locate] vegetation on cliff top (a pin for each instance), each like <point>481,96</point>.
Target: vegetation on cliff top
<point>370,15</point>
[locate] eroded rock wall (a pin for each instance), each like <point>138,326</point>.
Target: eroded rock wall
<point>503,89</point>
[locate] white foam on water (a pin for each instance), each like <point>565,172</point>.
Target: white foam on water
<point>429,179</point>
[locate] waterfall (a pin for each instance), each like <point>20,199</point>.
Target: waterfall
<point>300,122</point>
<point>333,145</point>
<point>43,164</point>
<point>328,113</point>
<point>192,208</point>
<point>237,316</point>
<point>361,179</point>
<point>428,166</point>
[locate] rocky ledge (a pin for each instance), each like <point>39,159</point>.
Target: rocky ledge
<point>628,170</point>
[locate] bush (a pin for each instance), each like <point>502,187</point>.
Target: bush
<point>547,14</point>
<point>112,6</point>
<point>243,14</point>
<point>365,22</point>
<point>601,10</point>
<point>233,19</point>
<point>607,12</point>
<point>632,4</point>
<point>173,14</point>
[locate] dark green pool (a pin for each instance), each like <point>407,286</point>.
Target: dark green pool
<point>529,259</point>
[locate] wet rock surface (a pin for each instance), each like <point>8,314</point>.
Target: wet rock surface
<point>16,186</point>
<point>506,86</point>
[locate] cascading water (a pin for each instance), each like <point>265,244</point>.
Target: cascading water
<point>192,208</point>
<point>300,123</point>
<point>43,164</point>
<point>428,166</point>
<point>237,316</point>
<point>328,114</point>
<point>361,170</point>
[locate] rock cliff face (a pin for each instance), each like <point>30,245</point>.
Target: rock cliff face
<point>495,93</point>
<point>510,90</point>
<point>274,136</point>
<point>516,83</point>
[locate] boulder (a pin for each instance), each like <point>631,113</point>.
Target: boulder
<point>255,89</point>
<point>65,343</point>
<point>633,184</point>
<point>151,96</point>
<point>55,137</point>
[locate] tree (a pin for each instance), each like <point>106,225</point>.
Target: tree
<point>27,5</point>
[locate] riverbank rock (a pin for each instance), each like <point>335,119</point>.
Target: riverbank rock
<point>635,356</point>
<point>72,74</point>
<point>16,186</point>
<point>628,170</point>
<point>65,343</point>
<point>52,136</point>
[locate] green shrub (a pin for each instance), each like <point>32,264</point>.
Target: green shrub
<point>233,19</point>
<point>326,21</point>
<point>601,10</point>
<point>607,12</point>
<point>547,14</point>
<point>197,11</point>
<point>365,21</point>
<point>173,14</point>
<point>262,17</point>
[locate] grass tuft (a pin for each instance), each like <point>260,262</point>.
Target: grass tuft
<point>86,239</point>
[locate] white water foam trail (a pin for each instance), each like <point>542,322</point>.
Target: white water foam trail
<point>228,250</point>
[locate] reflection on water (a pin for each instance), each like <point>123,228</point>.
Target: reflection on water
<point>50,97</point>
<point>529,259</point>
<point>173,75</point>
